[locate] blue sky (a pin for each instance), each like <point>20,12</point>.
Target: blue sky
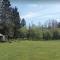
<point>38,12</point>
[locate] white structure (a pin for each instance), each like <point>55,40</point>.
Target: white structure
<point>2,37</point>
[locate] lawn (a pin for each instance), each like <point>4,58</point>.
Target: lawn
<point>30,50</point>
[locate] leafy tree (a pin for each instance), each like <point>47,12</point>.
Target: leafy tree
<point>56,34</point>
<point>47,35</point>
<point>23,22</point>
<point>34,32</point>
<point>23,32</point>
<point>59,25</point>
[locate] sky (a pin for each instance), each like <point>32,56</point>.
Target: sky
<point>35,11</point>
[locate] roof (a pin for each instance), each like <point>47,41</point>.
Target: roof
<point>1,35</point>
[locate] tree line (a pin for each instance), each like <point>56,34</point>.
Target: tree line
<point>49,31</point>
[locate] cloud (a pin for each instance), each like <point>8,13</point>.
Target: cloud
<point>34,5</point>
<point>43,13</point>
<point>38,12</point>
<point>29,15</point>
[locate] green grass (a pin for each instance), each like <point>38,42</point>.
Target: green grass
<point>30,50</point>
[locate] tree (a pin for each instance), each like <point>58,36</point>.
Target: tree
<point>23,22</point>
<point>56,34</point>
<point>23,32</point>
<point>54,24</point>
<point>34,32</point>
<point>11,19</point>
<point>47,35</point>
<point>59,25</point>
<point>16,20</point>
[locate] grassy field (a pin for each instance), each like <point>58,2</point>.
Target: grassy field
<point>30,50</point>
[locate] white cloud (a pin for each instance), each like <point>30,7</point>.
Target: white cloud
<point>30,15</point>
<point>41,13</point>
<point>34,5</point>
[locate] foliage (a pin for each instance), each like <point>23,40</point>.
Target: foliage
<point>40,32</point>
<point>47,35</point>
<point>10,19</point>
<point>56,34</point>
<point>34,32</point>
<point>23,32</point>
<point>23,22</point>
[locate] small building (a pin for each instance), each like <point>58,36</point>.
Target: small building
<point>2,37</point>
